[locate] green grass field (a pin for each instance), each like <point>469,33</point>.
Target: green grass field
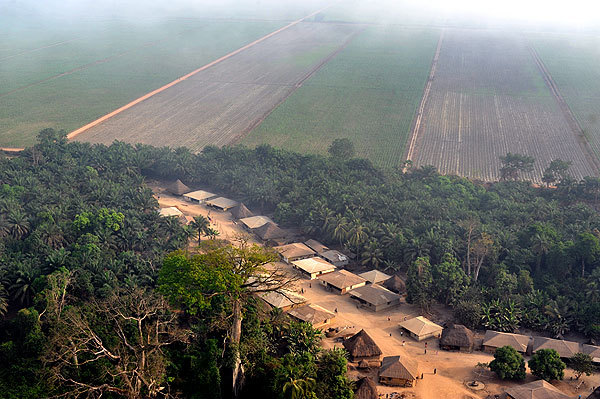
<point>118,63</point>
<point>573,61</point>
<point>368,93</point>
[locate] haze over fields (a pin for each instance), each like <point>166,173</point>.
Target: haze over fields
<point>366,71</point>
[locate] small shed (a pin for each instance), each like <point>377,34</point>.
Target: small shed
<point>283,299</point>
<point>494,340</point>
<point>198,196</point>
<point>294,251</point>
<point>342,281</point>
<point>270,231</point>
<point>421,328</point>
<point>374,276</point>
<point>334,257</point>
<point>241,212</point>
<point>395,284</point>
<point>398,371</point>
<point>375,297</point>
<point>314,314</point>
<point>170,211</point>
<point>254,222</point>
<point>313,267</point>
<point>593,351</point>
<point>316,246</point>
<point>457,337</point>
<point>177,188</point>
<point>222,203</point>
<point>565,349</point>
<point>362,347</point>
<point>539,389</point>
<point>366,389</point>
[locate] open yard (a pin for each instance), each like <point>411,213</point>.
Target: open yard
<point>368,93</point>
<point>488,98</point>
<point>573,61</point>
<point>218,105</point>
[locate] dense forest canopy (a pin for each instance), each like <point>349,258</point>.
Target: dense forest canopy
<point>83,246</point>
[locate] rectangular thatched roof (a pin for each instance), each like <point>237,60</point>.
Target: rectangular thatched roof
<point>565,349</point>
<point>170,211</point>
<point>334,256</point>
<point>222,202</point>
<point>421,326</point>
<point>400,367</point>
<point>316,246</point>
<point>539,389</point>
<point>199,195</point>
<point>314,265</point>
<point>374,294</point>
<point>282,299</point>
<point>593,351</point>
<point>497,339</point>
<point>294,250</point>
<point>342,279</point>
<point>375,276</point>
<point>313,314</point>
<point>254,222</point>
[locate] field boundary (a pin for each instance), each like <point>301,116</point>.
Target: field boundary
<point>181,79</point>
<point>417,122</point>
<point>296,86</point>
<point>576,128</point>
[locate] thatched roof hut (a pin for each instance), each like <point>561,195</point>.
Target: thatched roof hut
<point>363,364</point>
<point>362,347</point>
<point>178,188</point>
<point>595,394</point>
<point>395,284</point>
<point>366,389</point>
<point>457,337</point>
<point>398,371</point>
<point>270,231</point>
<point>240,212</point>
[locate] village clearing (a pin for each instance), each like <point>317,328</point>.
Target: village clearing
<point>453,369</point>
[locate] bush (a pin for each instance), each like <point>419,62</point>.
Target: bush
<point>546,364</point>
<point>508,364</point>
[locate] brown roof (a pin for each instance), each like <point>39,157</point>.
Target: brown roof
<point>314,265</point>
<point>536,390</point>
<point>421,326</point>
<point>316,246</point>
<point>342,279</point>
<point>564,348</point>
<point>361,345</point>
<point>294,250</point>
<point>399,367</point>
<point>457,335</point>
<point>593,351</point>
<point>497,339</point>
<point>313,314</point>
<point>334,256</point>
<point>374,294</point>
<point>269,231</point>
<point>222,202</point>
<point>240,212</point>
<point>282,299</point>
<point>374,276</point>
<point>177,188</point>
<point>199,195</point>
<point>366,389</point>
<point>254,222</point>
<point>395,284</point>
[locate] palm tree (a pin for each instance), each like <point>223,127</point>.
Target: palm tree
<point>357,234</point>
<point>201,225</point>
<point>298,388</point>
<point>339,228</point>
<point>18,224</point>
<point>3,300</point>
<point>372,255</point>
<point>22,288</point>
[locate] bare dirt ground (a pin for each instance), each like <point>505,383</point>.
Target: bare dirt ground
<point>454,369</point>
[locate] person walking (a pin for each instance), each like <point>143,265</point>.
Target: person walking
<point>434,371</point>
